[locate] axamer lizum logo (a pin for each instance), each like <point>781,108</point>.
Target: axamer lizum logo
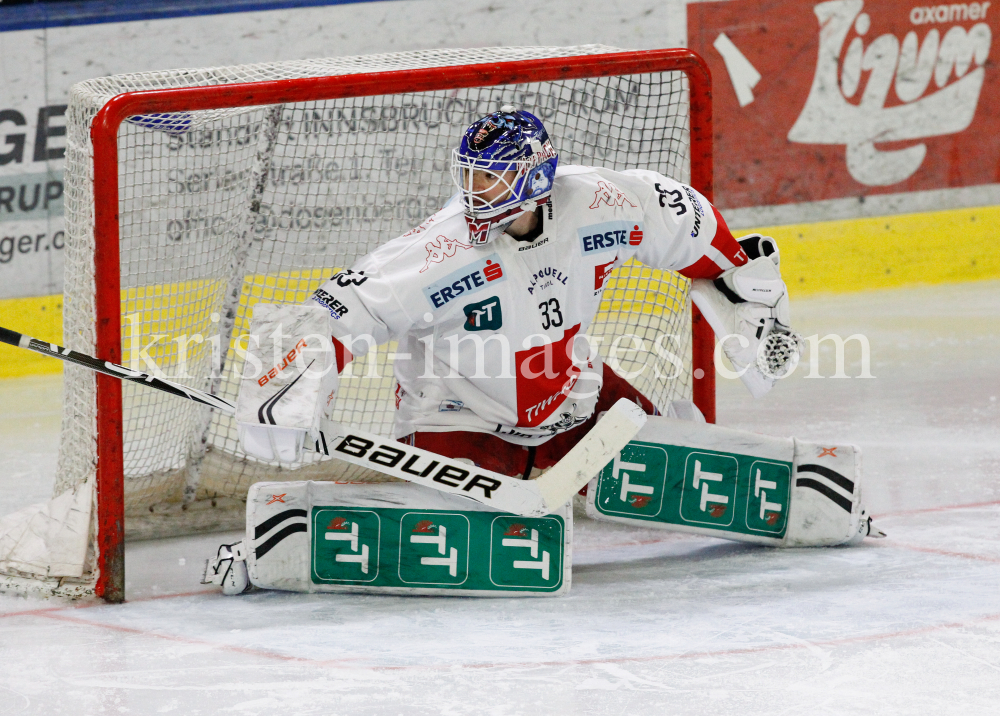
<point>849,98</point>
<point>937,81</point>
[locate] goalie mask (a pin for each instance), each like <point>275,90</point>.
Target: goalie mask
<point>504,167</point>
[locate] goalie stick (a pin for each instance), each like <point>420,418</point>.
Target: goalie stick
<point>530,498</point>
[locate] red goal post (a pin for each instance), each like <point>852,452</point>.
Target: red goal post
<point>108,295</point>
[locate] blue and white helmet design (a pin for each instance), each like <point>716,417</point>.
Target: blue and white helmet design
<point>504,167</point>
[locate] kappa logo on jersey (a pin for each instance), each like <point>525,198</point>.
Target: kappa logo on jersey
<point>468,279</point>
<point>608,193</point>
<point>440,249</point>
<point>601,273</point>
<point>699,213</point>
<point>484,315</point>
<point>545,377</point>
<point>337,309</point>
<point>546,277</point>
<point>609,235</point>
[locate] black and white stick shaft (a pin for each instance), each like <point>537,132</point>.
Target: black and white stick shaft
<point>527,498</point>
<point>19,340</point>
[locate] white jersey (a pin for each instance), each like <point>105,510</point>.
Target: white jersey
<point>495,333</point>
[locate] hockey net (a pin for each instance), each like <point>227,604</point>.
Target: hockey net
<point>213,190</point>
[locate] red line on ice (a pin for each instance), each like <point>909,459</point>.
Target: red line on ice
<point>249,651</point>
<point>944,552</point>
<point>942,508</point>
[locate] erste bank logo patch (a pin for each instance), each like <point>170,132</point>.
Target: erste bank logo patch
<point>609,236</point>
<point>469,279</point>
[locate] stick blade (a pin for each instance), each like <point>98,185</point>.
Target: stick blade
<point>589,456</point>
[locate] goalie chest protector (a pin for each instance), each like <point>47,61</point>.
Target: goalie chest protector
<point>398,538</point>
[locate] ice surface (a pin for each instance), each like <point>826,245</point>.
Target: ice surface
<point>655,623</point>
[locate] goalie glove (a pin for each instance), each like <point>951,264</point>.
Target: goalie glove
<point>747,307</point>
<point>288,383</point>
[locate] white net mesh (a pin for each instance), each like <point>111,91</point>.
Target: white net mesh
<point>220,209</point>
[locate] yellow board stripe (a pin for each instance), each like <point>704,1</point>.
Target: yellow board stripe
<point>903,250</point>
<point>827,257</point>
<point>38,317</point>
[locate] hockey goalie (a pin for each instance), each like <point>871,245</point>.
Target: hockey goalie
<point>489,301</point>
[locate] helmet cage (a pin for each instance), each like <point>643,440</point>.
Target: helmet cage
<point>504,167</point>
<point>510,176</point>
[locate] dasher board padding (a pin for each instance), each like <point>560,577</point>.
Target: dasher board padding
<point>401,539</point>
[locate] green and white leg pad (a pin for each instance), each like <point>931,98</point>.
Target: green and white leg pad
<point>704,479</point>
<point>397,538</point>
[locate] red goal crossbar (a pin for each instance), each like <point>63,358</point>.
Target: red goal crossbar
<point>104,133</point>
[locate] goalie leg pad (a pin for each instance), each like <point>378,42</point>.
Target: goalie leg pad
<point>704,479</point>
<point>827,506</point>
<point>398,538</point>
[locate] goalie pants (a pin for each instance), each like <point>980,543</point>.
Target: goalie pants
<point>493,453</point>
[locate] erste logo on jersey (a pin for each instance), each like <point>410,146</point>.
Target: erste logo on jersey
<point>442,248</point>
<point>466,280</point>
<point>609,235</point>
<point>608,193</point>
